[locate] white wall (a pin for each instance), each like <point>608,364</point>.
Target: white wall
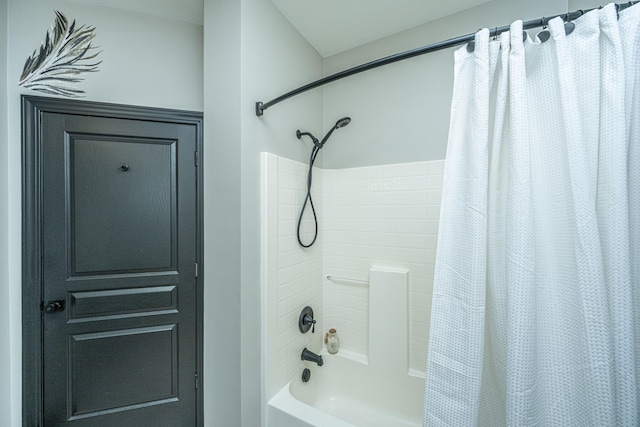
<point>586,4</point>
<point>380,216</point>
<point>5,329</point>
<point>221,160</point>
<point>252,53</point>
<point>147,61</point>
<point>400,111</point>
<point>274,58</point>
<point>371,216</point>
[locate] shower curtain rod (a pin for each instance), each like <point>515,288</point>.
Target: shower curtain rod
<point>456,41</point>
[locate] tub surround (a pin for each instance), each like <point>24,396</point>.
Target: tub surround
<point>291,277</point>
<point>388,321</point>
<point>379,215</point>
<point>371,216</point>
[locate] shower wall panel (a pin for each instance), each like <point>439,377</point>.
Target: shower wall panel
<point>292,275</point>
<point>380,215</point>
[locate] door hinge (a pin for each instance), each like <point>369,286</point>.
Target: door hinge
<point>197,382</point>
<point>195,158</point>
<point>196,269</point>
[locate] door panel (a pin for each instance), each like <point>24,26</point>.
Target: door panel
<point>97,305</point>
<point>122,193</point>
<point>108,381</point>
<point>119,252</point>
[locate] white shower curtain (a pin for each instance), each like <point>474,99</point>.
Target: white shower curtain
<point>536,303</point>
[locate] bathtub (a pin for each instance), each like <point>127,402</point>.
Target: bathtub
<point>345,393</point>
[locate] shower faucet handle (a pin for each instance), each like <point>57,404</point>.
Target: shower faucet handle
<point>309,321</point>
<point>306,320</point>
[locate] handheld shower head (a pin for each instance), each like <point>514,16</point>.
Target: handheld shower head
<point>343,122</point>
<point>339,124</point>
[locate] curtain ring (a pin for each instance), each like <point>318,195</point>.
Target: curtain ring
<point>471,46</point>
<point>544,35</point>
<point>569,26</point>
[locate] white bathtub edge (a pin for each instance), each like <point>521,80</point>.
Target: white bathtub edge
<point>305,414</point>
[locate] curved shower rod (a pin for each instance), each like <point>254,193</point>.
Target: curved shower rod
<point>456,41</point>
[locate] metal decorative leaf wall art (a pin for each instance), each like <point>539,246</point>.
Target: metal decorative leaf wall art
<point>65,54</point>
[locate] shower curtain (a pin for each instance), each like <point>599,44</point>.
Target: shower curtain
<point>536,302</point>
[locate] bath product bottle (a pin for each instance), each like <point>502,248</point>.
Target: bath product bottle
<point>331,340</point>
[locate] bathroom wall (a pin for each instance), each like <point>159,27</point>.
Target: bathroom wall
<point>5,328</point>
<point>400,111</point>
<point>386,216</point>
<point>273,58</point>
<point>251,53</point>
<point>221,160</point>
<point>148,60</point>
<point>382,215</point>
<point>586,4</point>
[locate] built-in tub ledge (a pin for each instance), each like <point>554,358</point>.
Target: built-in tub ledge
<point>364,360</point>
<point>351,355</point>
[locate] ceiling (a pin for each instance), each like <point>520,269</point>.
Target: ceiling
<point>333,26</point>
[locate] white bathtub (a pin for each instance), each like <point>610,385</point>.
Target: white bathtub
<point>345,393</point>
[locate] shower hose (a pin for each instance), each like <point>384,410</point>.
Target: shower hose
<point>308,199</point>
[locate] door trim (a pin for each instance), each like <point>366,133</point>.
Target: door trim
<point>32,276</point>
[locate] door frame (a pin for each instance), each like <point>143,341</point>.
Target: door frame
<point>32,236</point>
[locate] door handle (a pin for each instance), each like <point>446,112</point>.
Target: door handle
<point>54,306</point>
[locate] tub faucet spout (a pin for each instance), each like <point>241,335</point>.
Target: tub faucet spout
<point>311,357</point>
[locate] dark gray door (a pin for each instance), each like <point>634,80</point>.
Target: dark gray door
<point>119,271</point>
